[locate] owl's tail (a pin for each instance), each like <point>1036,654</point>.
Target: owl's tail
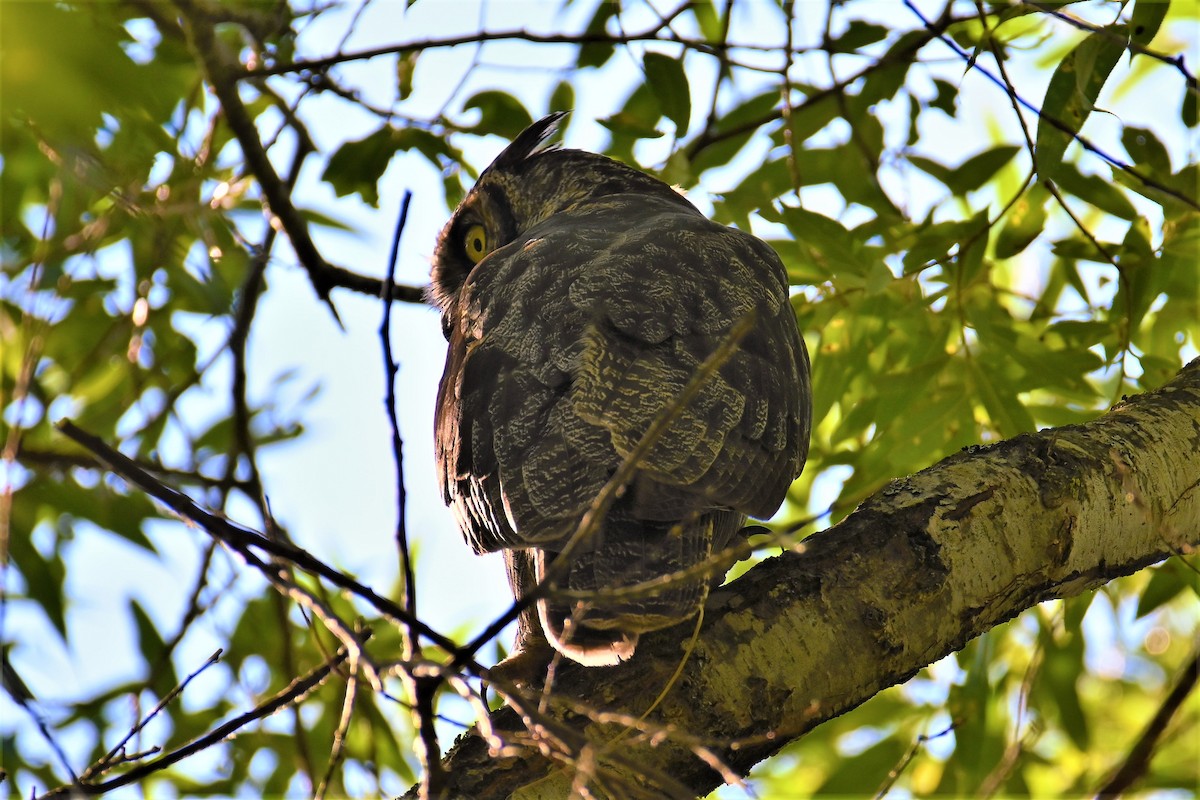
<point>636,576</point>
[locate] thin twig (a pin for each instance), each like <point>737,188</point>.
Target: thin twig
<point>390,369</point>
<point>337,749</point>
<point>1138,761</point>
<point>107,761</point>
<point>895,772</point>
<point>650,35</point>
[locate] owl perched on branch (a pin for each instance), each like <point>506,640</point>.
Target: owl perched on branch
<point>579,296</point>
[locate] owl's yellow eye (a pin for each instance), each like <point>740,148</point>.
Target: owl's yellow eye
<point>476,243</point>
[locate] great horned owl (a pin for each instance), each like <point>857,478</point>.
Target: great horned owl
<point>578,296</point>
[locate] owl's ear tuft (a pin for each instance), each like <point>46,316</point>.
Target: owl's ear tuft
<point>529,141</point>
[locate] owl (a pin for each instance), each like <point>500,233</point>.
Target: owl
<point>578,297</point>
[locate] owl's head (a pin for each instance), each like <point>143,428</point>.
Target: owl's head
<point>526,184</point>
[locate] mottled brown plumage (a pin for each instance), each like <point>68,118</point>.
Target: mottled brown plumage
<point>578,296</point>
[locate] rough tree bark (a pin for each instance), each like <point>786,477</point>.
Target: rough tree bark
<point>917,571</point>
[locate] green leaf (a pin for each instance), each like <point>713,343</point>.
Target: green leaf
<point>1167,582</point>
<point>318,218</point>
<point>155,655</point>
<point>825,243</point>
<point>43,576</point>
<point>1146,150</point>
<point>1058,683</point>
<point>406,67</point>
<point>972,173</point>
<point>50,74</point>
<point>501,114</point>
<point>1083,250</point>
<point>946,97</point>
<point>971,249</point>
<point>932,243</point>
<point>563,97</point>
<point>708,19</point>
<point>1024,223</point>
<point>356,166</point>
<point>1096,190</point>
<point>678,171</point>
<point>846,779</point>
<point>971,704</point>
<point>596,54</point>
<point>882,84</point>
<point>1072,92</point>
<point>1147,18</point>
<point>669,83</point>
<point>858,34</point>
<point>637,119</point>
<point>725,144</point>
<point>999,397</point>
<point>813,115</point>
<point>933,168</point>
<point>1189,110</point>
<point>979,169</point>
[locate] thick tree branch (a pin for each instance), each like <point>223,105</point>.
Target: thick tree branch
<point>920,569</point>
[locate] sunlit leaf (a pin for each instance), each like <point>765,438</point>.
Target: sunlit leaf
<point>1071,95</point>
<point>1024,223</point>
<point>1167,582</point>
<point>1004,408</point>
<point>1147,18</point>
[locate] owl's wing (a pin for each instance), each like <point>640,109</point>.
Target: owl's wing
<point>671,292</point>
<point>570,343</point>
<point>502,466</point>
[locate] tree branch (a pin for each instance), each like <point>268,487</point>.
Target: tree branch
<point>920,569</point>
